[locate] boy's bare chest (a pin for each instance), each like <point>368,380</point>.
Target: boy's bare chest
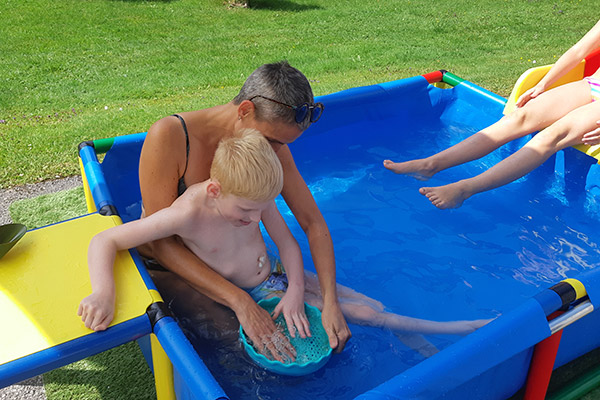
<point>236,253</point>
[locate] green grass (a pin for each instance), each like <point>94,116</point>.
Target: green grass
<point>90,69</point>
<point>117,374</point>
<point>49,208</point>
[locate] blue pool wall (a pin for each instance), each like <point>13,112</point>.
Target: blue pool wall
<point>491,363</point>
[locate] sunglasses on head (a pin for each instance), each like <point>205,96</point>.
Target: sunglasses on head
<point>315,110</point>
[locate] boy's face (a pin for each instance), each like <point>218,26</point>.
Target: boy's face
<point>239,211</point>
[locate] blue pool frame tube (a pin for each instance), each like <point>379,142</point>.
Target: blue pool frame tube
<point>186,361</point>
<point>96,180</point>
<point>74,350</point>
<point>177,347</point>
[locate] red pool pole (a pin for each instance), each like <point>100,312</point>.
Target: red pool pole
<point>435,76</point>
<point>542,363</point>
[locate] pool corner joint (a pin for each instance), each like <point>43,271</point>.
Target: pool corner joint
<point>157,311</point>
<point>573,304</point>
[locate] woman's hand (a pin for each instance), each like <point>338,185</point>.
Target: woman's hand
<point>261,330</point>
<point>592,137</point>
<point>97,311</point>
<point>292,307</point>
<point>530,94</point>
<point>335,325</point>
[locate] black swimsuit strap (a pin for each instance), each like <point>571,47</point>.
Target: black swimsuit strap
<point>187,142</point>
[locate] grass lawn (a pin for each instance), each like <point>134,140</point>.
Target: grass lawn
<point>90,69</point>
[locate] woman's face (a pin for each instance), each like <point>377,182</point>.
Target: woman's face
<point>277,133</point>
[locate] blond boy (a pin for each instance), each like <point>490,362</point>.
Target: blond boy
<point>217,220</point>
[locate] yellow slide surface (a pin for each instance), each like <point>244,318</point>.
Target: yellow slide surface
<point>45,276</point>
<point>531,77</point>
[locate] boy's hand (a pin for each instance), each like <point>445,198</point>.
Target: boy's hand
<point>292,306</point>
<point>96,311</point>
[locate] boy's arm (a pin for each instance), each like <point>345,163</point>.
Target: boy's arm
<point>292,304</point>
<point>289,251</point>
<point>97,309</point>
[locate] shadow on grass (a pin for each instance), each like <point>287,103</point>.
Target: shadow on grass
<point>142,1</point>
<point>119,373</point>
<point>273,5</point>
<point>281,5</point>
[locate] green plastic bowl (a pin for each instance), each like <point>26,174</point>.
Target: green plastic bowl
<point>9,236</point>
<point>312,353</point>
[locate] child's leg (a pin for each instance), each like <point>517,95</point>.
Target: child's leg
<point>414,341</point>
<point>535,115</point>
<point>363,310</point>
<point>311,284</point>
<point>365,315</point>
<point>418,343</point>
<point>565,132</point>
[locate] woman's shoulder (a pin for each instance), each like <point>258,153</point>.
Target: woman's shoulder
<point>165,128</point>
<point>165,138</point>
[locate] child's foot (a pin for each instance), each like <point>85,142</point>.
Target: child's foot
<point>465,327</point>
<point>472,326</point>
<point>447,196</point>
<point>418,169</point>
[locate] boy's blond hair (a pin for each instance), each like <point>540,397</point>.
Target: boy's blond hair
<point>245,165</point>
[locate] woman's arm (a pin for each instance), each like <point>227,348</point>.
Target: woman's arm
<point>292,303</point>
<point>162,162</point>
<point>300,200</point>
<point>569,60</point>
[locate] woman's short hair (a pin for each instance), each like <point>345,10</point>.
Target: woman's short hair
<point>279,81</point>
<point>245,165</point>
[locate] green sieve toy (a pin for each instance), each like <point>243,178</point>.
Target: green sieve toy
<point>312,353</point>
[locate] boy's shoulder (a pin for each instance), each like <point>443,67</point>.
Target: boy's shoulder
<point>192,200</point>
<point>194,190</point>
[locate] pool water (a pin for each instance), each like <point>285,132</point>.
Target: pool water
<point>391,244</point>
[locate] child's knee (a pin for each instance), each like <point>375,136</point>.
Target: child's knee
<point>363,314</point>
<point>557,136</point>
<point>518,117</point>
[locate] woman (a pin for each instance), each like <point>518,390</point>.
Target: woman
<point>567,115</point>
<point>276,100</point>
